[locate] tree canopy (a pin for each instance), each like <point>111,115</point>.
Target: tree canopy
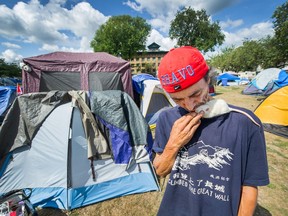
<point>122,36</point>
<point>280,22</point>
<point>9,69</point>
<point>194,28</point>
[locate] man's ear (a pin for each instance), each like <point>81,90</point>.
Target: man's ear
<point>209,80</point>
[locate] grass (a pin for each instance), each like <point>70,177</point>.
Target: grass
<point>272,199</point>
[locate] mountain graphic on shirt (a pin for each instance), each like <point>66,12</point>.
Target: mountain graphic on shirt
<point>214,157</point>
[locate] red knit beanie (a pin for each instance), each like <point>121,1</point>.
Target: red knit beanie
<point>180,68</point>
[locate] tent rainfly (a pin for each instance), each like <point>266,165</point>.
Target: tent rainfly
<point>67,71</point>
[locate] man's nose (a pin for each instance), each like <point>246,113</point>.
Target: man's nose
<point>189,104</point>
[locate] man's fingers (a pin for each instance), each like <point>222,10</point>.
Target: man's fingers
<point>185,120</point>
<point>192,123</point>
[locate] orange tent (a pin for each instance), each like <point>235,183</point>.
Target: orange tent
<point>273,112</point>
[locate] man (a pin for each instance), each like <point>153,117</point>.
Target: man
<point>215,163</point>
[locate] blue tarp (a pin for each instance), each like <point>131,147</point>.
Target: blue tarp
<point>137,81</point>
<point>227,76</point>
<point>282,79</point>
<point>7,96</point>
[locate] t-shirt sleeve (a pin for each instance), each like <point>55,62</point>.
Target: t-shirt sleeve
<point>256,172</point>
<point>162,133</point>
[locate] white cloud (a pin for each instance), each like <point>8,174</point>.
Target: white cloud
<point>165,42</point>
<point>255,32</point>
<point>236,39</point>
<point>54,27</point>
<point>163,11</point>
<point>50,48</point>
<point>231,23</point>
<point>10,56</point>
<point>50,24</point>
<point>11,45</point>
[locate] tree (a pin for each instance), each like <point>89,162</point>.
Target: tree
<point>222,61</point>
<point>248,56</point>
<point>9,69</point>
<point>121,36</point>
<point>272,55</point>
<point>194,28</point>
<point>244,58</point>
<point>150,68</point>
<point>281,28</point>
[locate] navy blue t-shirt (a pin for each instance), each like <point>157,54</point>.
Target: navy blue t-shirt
<point>225,153</point>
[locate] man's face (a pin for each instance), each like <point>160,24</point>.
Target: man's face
<point>193,96</point>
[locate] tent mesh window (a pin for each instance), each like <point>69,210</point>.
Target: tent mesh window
<point>99,81</point>
<point>60,81</point>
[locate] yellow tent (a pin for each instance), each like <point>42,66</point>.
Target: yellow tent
<point>273,112</point>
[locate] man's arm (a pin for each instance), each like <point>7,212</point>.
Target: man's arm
<point>248,201</point>
<point>181,133</point>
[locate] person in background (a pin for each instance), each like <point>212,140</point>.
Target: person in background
<point>215,153</point>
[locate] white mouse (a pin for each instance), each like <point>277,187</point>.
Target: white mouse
<point>217,107</point>
<point>214,108</point>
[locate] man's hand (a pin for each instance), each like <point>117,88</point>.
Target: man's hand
<point>181,133</point>
<point>184,129</point>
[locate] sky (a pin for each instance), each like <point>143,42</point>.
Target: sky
<point>35,27</point>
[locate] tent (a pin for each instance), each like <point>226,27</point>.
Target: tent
<point>73,151</point>
<point>263,83</point>
<point>76,71</point>
<point>225,78</point>
<point>273,112</point>
<point>7,96</point>
<point>153,98</point>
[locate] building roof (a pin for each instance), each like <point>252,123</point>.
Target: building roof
<point>153,46</point>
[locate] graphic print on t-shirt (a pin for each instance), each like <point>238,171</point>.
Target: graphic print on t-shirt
<point>210,180</point>
<point>215,157</point>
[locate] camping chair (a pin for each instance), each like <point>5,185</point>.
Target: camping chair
<point>17,203</point>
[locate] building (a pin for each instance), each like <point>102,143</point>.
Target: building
<point>147,61</point>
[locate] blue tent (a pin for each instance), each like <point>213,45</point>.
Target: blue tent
<point>45,146</point>
<point>226,77</point>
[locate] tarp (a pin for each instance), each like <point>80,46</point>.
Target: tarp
<point>138,82</point>
<point>76,71</point>
<point>273,112</point>
<point>7,96</point>
<point>54,160</point>
<point>227,76</point>
<point>282,79</point>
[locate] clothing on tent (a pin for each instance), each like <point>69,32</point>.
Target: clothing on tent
<point>118,112</point>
